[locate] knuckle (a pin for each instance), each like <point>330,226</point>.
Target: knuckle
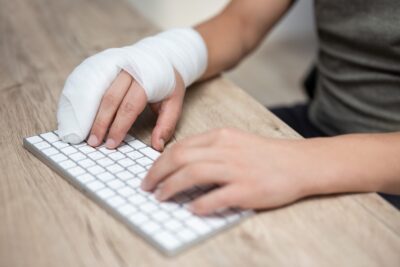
<point>100,125</point>
<point>192,171</point>
<point>127,107</point>
<point>110,100</point>
<point>177,154</point>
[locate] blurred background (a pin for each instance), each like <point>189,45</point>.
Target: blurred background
<point>274,73</point>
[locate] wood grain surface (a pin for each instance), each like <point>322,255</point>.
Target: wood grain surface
<point>44,221</point>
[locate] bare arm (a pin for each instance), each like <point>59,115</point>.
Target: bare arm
<point>258,172</point>
<point>358,162</point>
<point>237,30</point>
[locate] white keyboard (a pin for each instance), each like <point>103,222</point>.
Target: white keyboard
<point>112,178</point>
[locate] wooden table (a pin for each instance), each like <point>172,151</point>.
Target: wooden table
<point>44,221</point>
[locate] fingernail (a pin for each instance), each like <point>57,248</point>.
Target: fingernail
<point>158,194</point>
<point>144,185</point>
<point>92,141</point>
<point>190,208</point>
<point>110,143</point>
<point>162,143</point>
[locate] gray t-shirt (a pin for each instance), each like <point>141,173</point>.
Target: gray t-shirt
<point>358,83</point>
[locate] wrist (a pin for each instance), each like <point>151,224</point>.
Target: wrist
<point>338,166</point>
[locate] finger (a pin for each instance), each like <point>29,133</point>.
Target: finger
<point>175,158</point>
<point>168,117</point>
<point>190,175</point>
<point>108,106</point>
<point>215,200</point>
<point>132,105</point>
<point>169,112</point>
<point>199,140</point>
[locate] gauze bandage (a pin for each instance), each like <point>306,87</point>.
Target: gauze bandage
<point>151,62</point>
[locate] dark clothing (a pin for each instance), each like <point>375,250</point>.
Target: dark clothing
<point>297,118</point>
<point>358,66</point>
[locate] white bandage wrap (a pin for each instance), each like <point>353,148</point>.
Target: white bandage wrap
<point>151,62</point>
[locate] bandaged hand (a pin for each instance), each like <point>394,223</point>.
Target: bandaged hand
<point>108,91</point>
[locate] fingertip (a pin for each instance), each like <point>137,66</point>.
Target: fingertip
<point>161,143</point>
<point>93,140</point>
<point>198,208</point>
<point>110,143</point>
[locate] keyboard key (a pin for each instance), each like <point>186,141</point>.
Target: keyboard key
<point>134,155</point>
<point>182,214</point>
<point>66,164</point>
<point>116,155</point>
<point>105,176</point>
<point>34,139</point>
<point>151,153</point>
<point>198,225</point>
<point>76,171</point>
<point>126,191</point>
<point>230,215</point>
<point>149,207</point>
<point>50,151</point>
<point>144,161</point>
<point>136,144</point>
<point>137,199</point>
<point>173,225</point>
<point>134,183</point>
<point>77,156</point>
<point>58,157</point>
<point>169,206</point>
<point>115,201</point>
<point>79,145</point>
<point>142,175</point>
<point>138,218</point>
<point>160,216</point>
<point>96,155</point>
<point>59,144</point>
<point>68,150</point>
<point>85,178</point>
<point>50,137</point>
<point>167,240</point>
<point>125,175</point>
<point>126,162</point>
<point>114,184</point>
<point>215,221</point>
<point>95,170</point>
<point>95,185</point>
<point>105,193</point>
<point>86,163</point>
<point>186,235</point>
<point>129,138</point>
<point>135,169</point>
<point>150,227</point>
<point>127,209</point>
<point>106,151</point>
<point>114,168</point>
<point>42,145</point>
<point>125,149</point>
<point>87,149</point>
<point>104,162</point>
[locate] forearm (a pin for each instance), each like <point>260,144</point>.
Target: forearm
<point>235,32</point>
<point>357,163</point>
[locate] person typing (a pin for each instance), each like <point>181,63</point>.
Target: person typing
<point>360,149</point>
